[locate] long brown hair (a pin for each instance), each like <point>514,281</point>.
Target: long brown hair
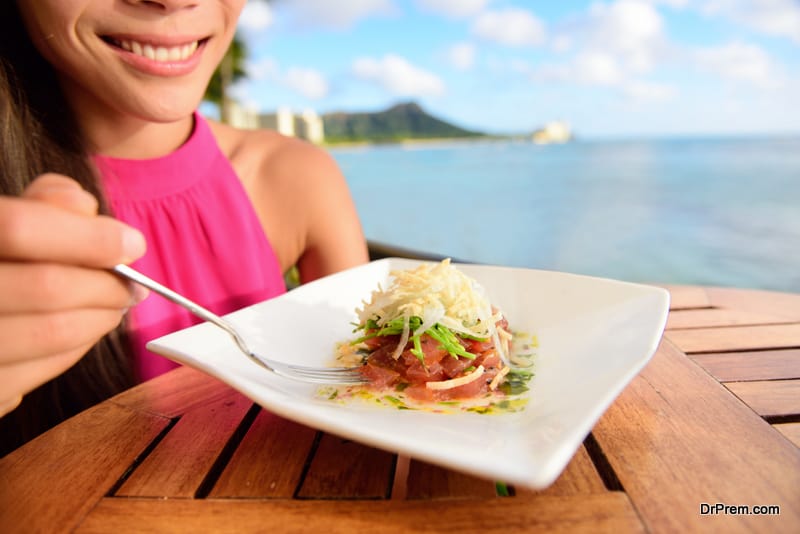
<point>38,133</point>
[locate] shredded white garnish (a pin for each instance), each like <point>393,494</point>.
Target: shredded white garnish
<point>498,378</point>
<point>455,382</point>
<point>436,293</point>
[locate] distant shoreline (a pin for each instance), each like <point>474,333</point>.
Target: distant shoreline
<point>425,141</point>
<point>684,138</point>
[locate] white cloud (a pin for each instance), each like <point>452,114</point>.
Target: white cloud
<point>599,69</point>
<point>510,27</point>
<point>308,82</point>
<point>676,4</point>
<point>741,62</point>
<point>395,74</point>
<point>773,17</point>
<point>330,14</point>
<point>256,16</point>
<point>461,56</point>
<point>262,69</point>
<point>596,68</point>
<point>647,91</point>
<point>613,45</point>
<point>586,68</point>
<point>453,8</point>
<point>633,29</point>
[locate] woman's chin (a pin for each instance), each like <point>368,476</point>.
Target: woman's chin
<point>167,110</point>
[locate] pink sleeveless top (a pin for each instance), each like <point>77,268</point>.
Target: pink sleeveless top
<point>203,238</point>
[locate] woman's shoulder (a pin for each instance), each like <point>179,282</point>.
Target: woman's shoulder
<point>301,197</point>
<point>269,155</point>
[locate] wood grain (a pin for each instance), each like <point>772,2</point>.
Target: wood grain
<point>736,338</point>
<point>719,317</point>
<point>182,460</point>
<point>269,461</point>
<point>580,477</point>
<point>174,393</point>
<point>786,305</point>
<point>754,365</point>
<point>610,512</point>
<point>687,297</point>
<point>773,398</point>
<point>790,430</point>
<point>427,481</point>
<point>345,469</point>
<point>676,438</point>
<point>51,483</point>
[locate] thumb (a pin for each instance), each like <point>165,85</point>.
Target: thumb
<point>61,191</point>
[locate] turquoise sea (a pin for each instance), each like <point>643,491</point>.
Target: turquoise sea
<point>722,212</point>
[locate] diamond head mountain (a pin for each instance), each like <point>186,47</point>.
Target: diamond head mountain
<point>405,121</point>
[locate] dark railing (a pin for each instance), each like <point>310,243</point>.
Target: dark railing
<point>382,250</point>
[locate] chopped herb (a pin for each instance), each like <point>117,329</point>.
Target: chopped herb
<point>502,489</point>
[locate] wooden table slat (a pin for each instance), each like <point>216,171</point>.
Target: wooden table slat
<point>346,469</point>
<point>73,466</point>
<point>579,477</point>
<point>736,338</point>
<point>182,460</point>
<point>714,317</point>
<point>428,481</point>
<point>269,461</point>
<point>786,305</point>
<point>609,512</point>
<point>769,398</point>
<point>754,365</point>
<point>174,393</point>
<point>790,430</point>
<point>670,425</point>
<point>687,297</point>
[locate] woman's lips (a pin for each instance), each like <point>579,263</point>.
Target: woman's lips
<point>162,54</point>
<point>159,59</point>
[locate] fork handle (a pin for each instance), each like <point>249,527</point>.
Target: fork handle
<point>135,276</point>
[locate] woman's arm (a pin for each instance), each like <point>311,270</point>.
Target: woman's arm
<point>301,198</point>
<point>334,238</point>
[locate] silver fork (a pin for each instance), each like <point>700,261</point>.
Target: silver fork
<point>317,375</point>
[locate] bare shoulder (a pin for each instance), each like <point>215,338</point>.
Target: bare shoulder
<point>300,196</point>
<point>264,155</point>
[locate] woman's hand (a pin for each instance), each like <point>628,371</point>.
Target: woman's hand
<point>56,296</point>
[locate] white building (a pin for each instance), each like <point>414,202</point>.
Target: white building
<point>553,132</point>
<point>307,125</point>
<point>242,117</point>
<point>311,126</point>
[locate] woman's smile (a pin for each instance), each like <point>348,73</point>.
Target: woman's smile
<point>157,56</point>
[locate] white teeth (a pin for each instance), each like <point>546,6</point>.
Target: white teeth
<point>162,54</point>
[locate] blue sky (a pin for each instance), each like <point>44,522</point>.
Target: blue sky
<point>614,68</point>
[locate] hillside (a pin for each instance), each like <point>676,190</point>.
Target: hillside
<point>400,122</point>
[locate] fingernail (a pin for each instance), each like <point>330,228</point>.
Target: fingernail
<point>138,294</point>
<point>133,244</point>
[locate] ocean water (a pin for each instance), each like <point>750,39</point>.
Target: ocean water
<point>723,212</point>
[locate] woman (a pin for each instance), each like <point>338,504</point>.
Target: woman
<point>98,116</point>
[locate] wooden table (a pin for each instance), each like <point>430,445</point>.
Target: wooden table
<point>714,418</point>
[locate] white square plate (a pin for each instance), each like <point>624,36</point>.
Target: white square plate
<point>594,336</point>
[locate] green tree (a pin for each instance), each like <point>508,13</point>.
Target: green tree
<point>231,69</point>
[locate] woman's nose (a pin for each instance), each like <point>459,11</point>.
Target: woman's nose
<point>165,6</point>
